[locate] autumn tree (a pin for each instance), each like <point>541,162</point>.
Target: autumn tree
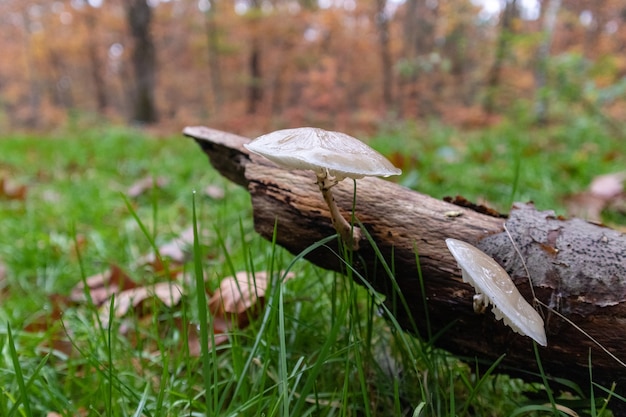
<point>420,20</point>
<point>212,36</point>
<point>549,16</point>
<point>139,17</point>
<point>255,86</point>
<point>494,75</point>
<point>382,19</point>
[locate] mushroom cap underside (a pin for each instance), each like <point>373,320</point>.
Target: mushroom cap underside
<point>489,278</point>
<point>341,155</point>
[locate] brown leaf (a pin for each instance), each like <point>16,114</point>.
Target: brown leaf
<point>234,302</point>
<point>608,186</point>
<point>220,336</point>
<point>48,323</point>
<point>177,250</point>
<point>169,293</point>
<point>101,286</point>
<point>215,192</point>
<point>240,296</point>
<point>604,191</point>
<point>585,206</point>
<point>146,184</point>
<point>10,191</point>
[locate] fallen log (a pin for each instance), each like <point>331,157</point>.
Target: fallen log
<point>577,269</point>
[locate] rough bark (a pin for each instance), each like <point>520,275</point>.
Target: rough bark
<point>139,16</point>
<point>96,63</point>
<point>494,76</point>
<point>255,84</point>
<point>386,60</point>
<point>543,56</point>
<point>577,268</point>
<point>215,71</point>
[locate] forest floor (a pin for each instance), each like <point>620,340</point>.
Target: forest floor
<point>103,281</point>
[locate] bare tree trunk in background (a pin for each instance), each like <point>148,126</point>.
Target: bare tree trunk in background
<point>96,63</point>
<point>215,72</point>
<point>34,96</point>
<point>255,87</point>
<point>495,72</point>
<point>543,55</point>
<point>382,23</point>
<point>419,26</point>
<point>60,84</point>
<point>139,15</point>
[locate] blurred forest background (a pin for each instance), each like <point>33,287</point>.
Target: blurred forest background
<point>250,66</point>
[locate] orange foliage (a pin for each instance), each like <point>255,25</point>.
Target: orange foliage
<point>319,66</point>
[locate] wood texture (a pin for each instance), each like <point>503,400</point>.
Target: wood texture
<point>577,268</point>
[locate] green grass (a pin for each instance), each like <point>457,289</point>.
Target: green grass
<point>319,347</point>
<point>512,162</point>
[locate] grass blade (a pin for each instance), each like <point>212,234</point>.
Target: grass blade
<point>18,373</point>
<point>202,313</point>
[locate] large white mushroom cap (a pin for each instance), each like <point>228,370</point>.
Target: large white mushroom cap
<point>341,155</point>
<point>489,278</point>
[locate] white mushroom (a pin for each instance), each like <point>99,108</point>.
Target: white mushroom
<point>492,282</point>
<point>333,156</point>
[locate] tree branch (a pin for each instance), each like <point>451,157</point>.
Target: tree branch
<point>577,268</point>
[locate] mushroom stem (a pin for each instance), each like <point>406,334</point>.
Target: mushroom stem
<point>349,233</point>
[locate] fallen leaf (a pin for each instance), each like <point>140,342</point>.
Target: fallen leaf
<point>177,250</point>
<point>215,192</point>
<point>170,293</point>
<point>10,191</point>
<point>146,184</point>
<point>604,192</point>
<point>237,300</point>
<point>585,206</point>
<point>48,322</point>
<point>236,295</point>
<point>101,286</point>
<point>220,336</point>
<point>608,186</point>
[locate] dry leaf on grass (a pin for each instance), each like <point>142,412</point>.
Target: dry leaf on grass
<point>145,184</point>
<point>101,286</point>
<point>604,192</point>
<point>608,186</point>
<point>48,322</point>
<point>170,293</point>
<point>236,301</point>
<point>115,282</point>
<point>215,192</point>
<point>236,295</point>
<point>177,250</point>
<point>10,191</point>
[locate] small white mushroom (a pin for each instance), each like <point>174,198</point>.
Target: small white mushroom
<point>333,156</point>
<point>493,284</point>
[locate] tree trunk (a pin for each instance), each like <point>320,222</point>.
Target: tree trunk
<point>139,16</point>
<point>419,43</point>
<point>543,56</point>
<point>33,77</point>
<point>255,90</point>
<point>96,63</point>
<point>382,23</point>
<point>255,83</point>
<point>504,39</point>
<point>577,268</point>
<point>215,73</point>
